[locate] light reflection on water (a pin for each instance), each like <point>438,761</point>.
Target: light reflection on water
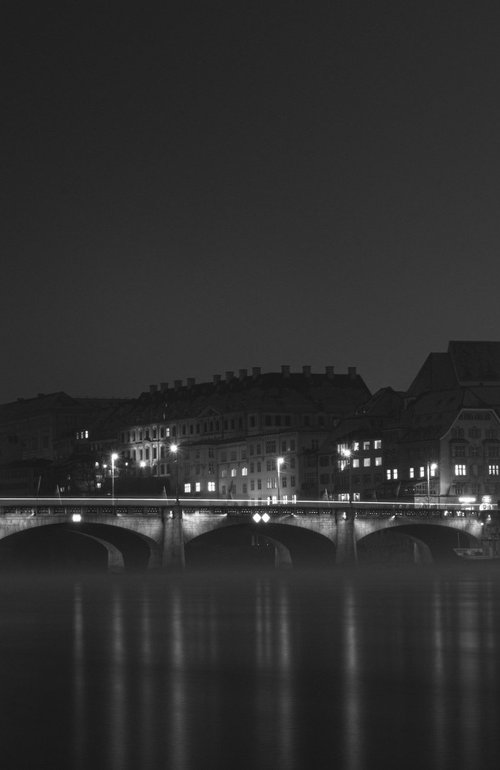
<point>292,671</point>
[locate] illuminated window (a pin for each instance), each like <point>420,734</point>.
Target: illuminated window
<point>378,461</point>
<point>211,486</point>
<point>366,445</point>
<point>355,463</point>
<point>421,471</point>
<point>412,473</point>
<point>244,471</point>
<point>355,446</point>
<point>493,470</point>
<point>377,444</point>
<point>366,462</point>
<point>198,486</point>
<point>187,487</point>
<point>233,472</point>
<point>388,473</point>
<point>394,473</point>
<point>460,470</point>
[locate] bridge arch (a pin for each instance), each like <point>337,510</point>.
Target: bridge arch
<point>274,544</point>
<point>417,543</point>
<point>84,545</point>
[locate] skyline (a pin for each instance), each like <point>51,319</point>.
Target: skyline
<point>248,371</point>
<point>220,186</point>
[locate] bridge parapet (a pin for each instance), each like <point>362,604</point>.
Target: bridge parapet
<point>155,506</point>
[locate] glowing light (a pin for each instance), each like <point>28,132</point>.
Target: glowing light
<point>76,517</point>
<point>174,448</point>
<point>256,517</point>
<point>265,517</point>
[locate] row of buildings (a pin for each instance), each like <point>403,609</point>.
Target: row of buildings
<point>271,436</point>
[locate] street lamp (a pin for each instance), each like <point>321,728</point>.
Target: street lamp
<point>431,470</point>
<point>174,448</point>
<point>114,457</point>
<point>347,454</point>
<point>279,463</point>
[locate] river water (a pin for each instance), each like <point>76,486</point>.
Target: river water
<point>373,669</point>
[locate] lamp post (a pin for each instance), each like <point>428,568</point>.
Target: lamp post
<point>279,463</point>
<point>114,457</point>
<point>431,469</point>
<point>174,449</point>
<point>346,454</point>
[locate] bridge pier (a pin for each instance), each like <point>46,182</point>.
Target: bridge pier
<point>172,550</point>
<point>346,539</point>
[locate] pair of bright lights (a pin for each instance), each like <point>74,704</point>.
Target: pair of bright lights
<point>258,518</point>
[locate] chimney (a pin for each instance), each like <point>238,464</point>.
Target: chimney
<point>330,371</point>
<point>163,386</point>
<point>242,374</point>
<point>190,382</point>
<point>229,376</point>
<point>153,388</point>
<point>285,370</point>
<point>255,371</point>
<point>351,371</point>
<point>177,384</point>
<point>217,379</point>
<point>306,371</point>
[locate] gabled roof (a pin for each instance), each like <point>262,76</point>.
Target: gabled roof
<point>436,374</point>
<point>464,364</point>
<point>475,362</point>
<point>431,415</point>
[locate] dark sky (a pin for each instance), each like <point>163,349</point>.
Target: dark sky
<point>211,186</point>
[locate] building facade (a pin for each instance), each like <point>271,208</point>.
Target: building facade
<point>254,436</point>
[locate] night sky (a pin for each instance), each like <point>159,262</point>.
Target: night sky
<point>211,186</point>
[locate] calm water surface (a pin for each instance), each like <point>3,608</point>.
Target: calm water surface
<point>331,670</point>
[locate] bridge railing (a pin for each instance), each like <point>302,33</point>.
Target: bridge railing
<point>155,505</point>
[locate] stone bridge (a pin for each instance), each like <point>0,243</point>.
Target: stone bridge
<point>155,533</point>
